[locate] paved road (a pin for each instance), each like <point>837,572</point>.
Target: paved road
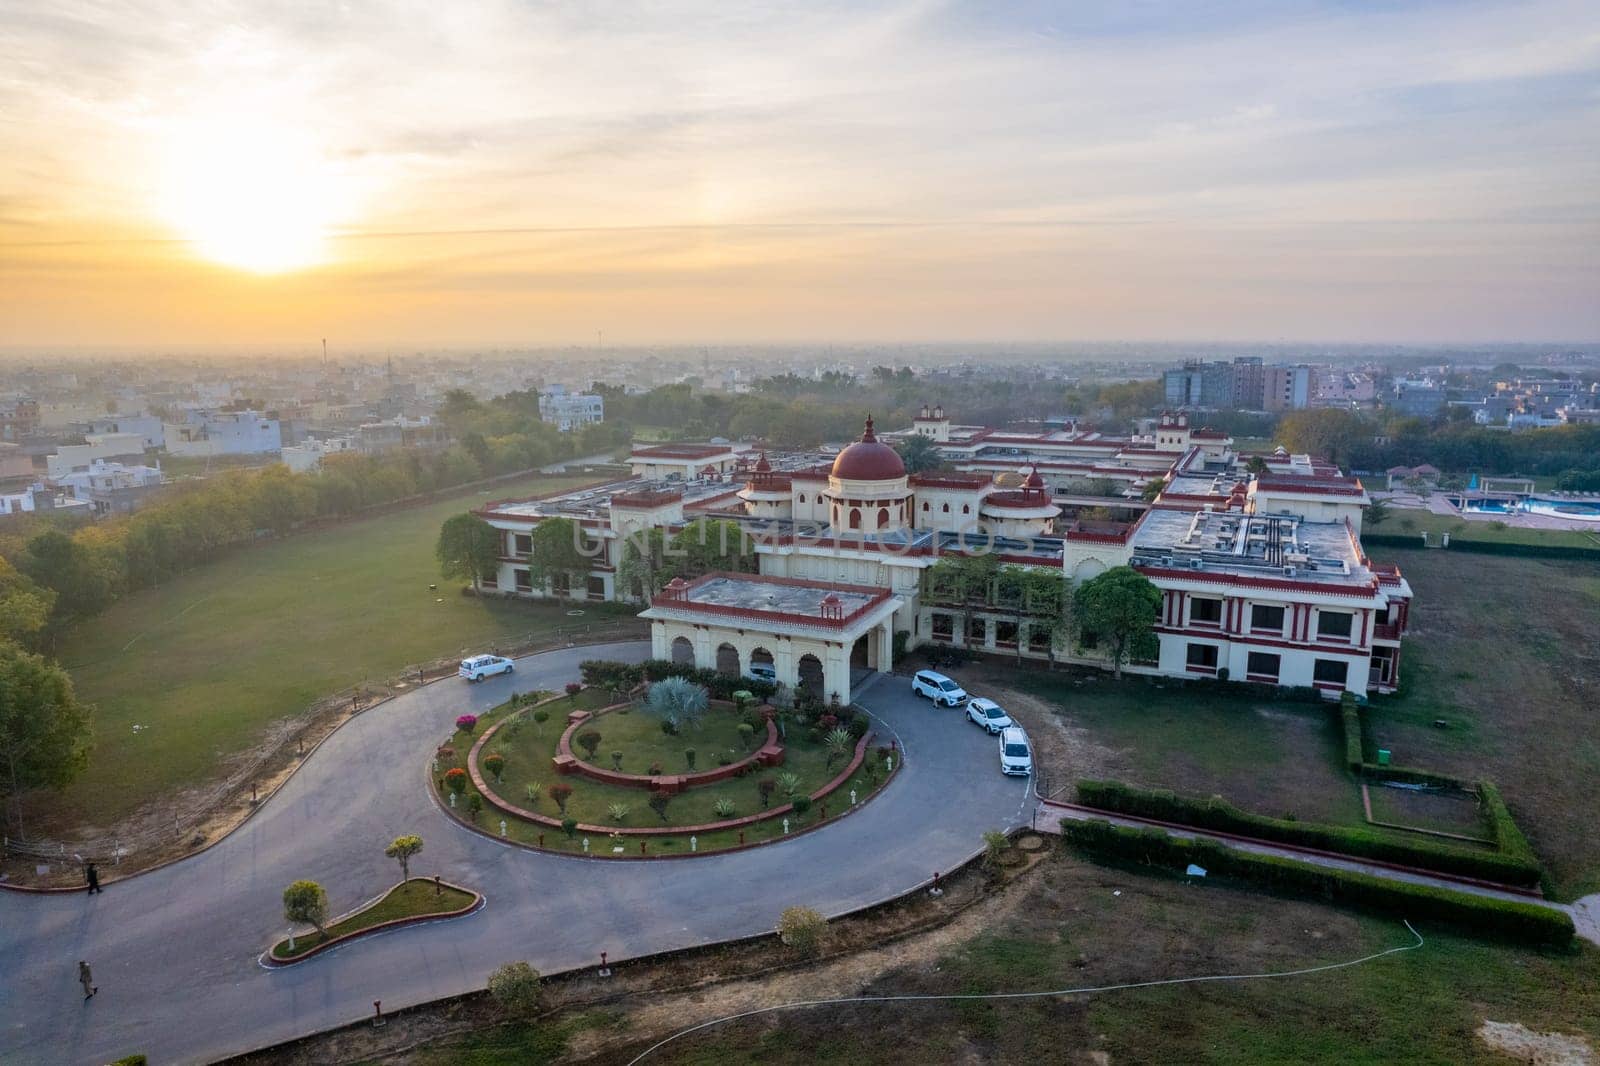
<point>175,951</point>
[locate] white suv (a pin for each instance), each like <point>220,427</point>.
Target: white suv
<point>938,688</point>
<point>988,714</point>
<point>481,666</point>
<point>1015,756</point>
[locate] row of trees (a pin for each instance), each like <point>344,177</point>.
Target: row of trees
<point>1365,442</point>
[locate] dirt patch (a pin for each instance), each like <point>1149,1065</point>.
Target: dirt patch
<point>1539,1049</point>
<point>1066,750</point>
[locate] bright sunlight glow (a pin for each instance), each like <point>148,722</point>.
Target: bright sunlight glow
<point>253,197</point>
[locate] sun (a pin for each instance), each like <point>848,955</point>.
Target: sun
<point>253,196</point>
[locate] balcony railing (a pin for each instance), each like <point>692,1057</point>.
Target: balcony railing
<point>1386,631</point>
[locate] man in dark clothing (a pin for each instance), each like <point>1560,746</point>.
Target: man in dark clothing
<point>93,877</point>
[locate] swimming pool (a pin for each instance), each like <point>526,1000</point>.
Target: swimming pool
<point>1582,510</point>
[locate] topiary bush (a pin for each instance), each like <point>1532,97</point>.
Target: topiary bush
<point>515,988</point>
<point>802,929</point>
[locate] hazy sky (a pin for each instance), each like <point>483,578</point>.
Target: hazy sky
<point>495,171</point>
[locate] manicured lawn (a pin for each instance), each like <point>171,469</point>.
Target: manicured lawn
<point>186,675</point>
<point>1276,759</point>
<point>1506,651</point>
<point>409,900</point>
<point>1406,522</point>
<point>529,748</point>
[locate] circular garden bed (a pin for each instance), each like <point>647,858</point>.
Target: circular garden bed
<point>585,774</point>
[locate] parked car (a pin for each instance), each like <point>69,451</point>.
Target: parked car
<point>1015,756</point>
<point>762,672</point>
<point>938,688</point>
<point>481,666</point>
<point>988,714</point>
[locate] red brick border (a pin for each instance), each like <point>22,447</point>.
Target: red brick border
<point>770,753</point>
<point>507,807</point>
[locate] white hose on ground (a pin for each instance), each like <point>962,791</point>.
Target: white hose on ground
<point>846,1000</point>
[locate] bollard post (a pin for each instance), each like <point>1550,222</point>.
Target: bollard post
<point>694,843</point>
<point>741,836</point>
<point>377,1014</point>
<point>605,971</point>
<point>502,828</point>
<point>254,800</point>
<point>586,845</point>
<point>786,827</point>
<point>852,797</point>
<point>641,847</point>
<point>936,891</point>
<point>541,840</point>
<point>438,888</point>
<point>824,817</point>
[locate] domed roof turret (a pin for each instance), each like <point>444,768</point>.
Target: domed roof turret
<point>868,459</point>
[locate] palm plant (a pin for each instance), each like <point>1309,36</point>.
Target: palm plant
<point>618,812</point>
<point>678,700</point>
<point>788,783</point>
<point>838,742</point>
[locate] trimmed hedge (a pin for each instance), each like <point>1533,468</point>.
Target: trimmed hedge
<point>1350,713</point>
<point>1507,836</point>
<point>1484,547</point>
<point>1356,841</point>
<point>1511,919</point>
<point>624,677</point>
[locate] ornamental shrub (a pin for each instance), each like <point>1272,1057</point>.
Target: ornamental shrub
<point>618,812</point>
<point>658,803</point>
<point>573,688</point>
<point>474,805</point>
<point>467,723</point>
<point>858,727</point>
<point>569,826</point>
<point>801,804</point>
<point>747,733</point>
<point>655,769</point>
<point>515,988</point>
<point>724,808</point>
<point>766,787</point>
<point>724,758</point>
<point>533,789</point>
<point>616,760</point>
<point>789,783</point>
<point>589,740</point>
<point>801,928</point>
<point>495,763</point>
<point>540,717</point>
<point>455,779</point>
<point>445,753</point>
<point>688,758</point>
<point>560,793</point>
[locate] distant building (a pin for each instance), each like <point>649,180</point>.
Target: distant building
<point>1335,388</point>
<point>400,432</point>
<point>108,447</point>
<point>14,462</point>
<point>19,418</point>
<point>40,498</point>
<point>203,433</point>
<point>113,488</point>
<point>307,456</point>
<point>570,410</point>
<point>147,426</point>
<point>1423,398</point>
<point>1287,388</point>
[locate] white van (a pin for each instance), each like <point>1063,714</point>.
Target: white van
<point>762,672</point>
<point>481,666</point>
<point>1016,757</point>
<point>938,688</point>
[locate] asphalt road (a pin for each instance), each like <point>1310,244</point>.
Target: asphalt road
<point>175,951</point>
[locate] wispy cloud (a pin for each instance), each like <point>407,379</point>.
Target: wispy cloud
<point>1435,143</point>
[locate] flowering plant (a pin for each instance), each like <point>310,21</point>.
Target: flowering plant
<point>456,780</point>
<point>467,723</point>
<point>573,688</point>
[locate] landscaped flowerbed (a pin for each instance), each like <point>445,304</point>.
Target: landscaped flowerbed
<point>506,772</point>
<point>418,899</point>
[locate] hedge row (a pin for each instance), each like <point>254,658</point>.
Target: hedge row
<point>1350,713</point>
<point>624,677</point>
<point>1484,547</point>
<point>1507,836</point>
<point>1218,814</point>
<point>1152,847</point>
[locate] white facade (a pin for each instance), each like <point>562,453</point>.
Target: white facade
<point>204,433</point>
<point>69,458</point>
<point>570,410</point>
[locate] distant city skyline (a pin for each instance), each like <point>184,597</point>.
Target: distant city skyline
<point>504,174</point>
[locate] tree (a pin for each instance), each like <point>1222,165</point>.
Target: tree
<point>1327,432</point>
<point>305,901</point>
<point>24,606</point>
<point>468,548</point>
<point>1152,489</point>
<point>1377,512</point>
<point>1120,607</point>
<point>44,730</point>
<point>658,803</point>
<point>995,844</point>
<point>560,793</point>
<point>711,544</point>
<point>1256,465</point>
<point>766,787</point>
<point>801,928</point>
<point>589,740</point>
<point>558,547</point>
<point>515,987</point>
<point>401,850</point>
<point>919,453</point>
<point>84,580</point>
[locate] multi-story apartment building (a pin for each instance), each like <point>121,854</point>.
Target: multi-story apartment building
<point>205,432</point>
<point>570,410</point>
<point>1263,577</point>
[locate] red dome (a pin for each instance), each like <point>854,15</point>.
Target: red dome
<point>868,459</point>
<point>1034,480</point>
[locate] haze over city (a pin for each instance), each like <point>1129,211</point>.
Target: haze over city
<point>509,173</point>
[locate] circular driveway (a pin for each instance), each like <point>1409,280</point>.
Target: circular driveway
<point>174,951</point>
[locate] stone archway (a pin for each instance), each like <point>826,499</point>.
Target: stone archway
<point>811,678</point>
<point>860,652</point>
<point>727,660</point>
<point>683,651</point>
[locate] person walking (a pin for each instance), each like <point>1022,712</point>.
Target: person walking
<point>93,877</point>
<point>86,979</point>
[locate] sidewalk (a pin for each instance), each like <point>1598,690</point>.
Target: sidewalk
<point>1585,912</point>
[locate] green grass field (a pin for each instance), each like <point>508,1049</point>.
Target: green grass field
<point>1403,522</point>
<point>183,676</point>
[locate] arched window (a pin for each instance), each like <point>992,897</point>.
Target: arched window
<point>965,509</point>
<point>802,497</point>
<point>883,517</point>
<point>924,506</point>
<point>947,508</point>
<point>855,518</point>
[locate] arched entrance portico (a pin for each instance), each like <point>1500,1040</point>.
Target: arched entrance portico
<point>727,660</point>
<point>811,676</point>
<point>683,651</point>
